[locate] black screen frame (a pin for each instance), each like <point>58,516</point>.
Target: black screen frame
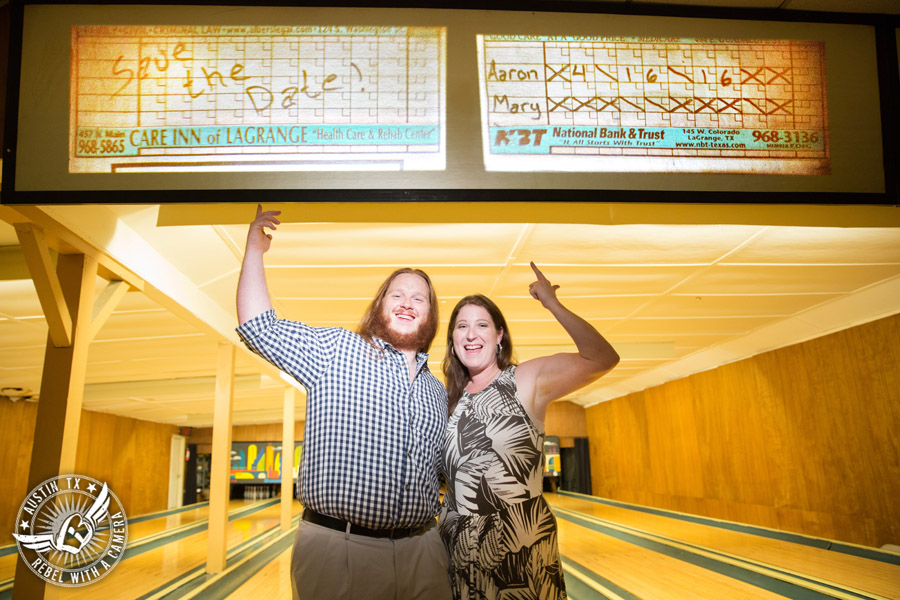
<point>888,72</point>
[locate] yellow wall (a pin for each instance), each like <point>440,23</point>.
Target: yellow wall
<point>270,432</point>
<point>566,420</point>
<point>803,439</point>
<point>16,436</point>
<point>132,456</point>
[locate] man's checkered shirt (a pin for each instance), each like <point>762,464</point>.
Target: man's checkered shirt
<point>371,449</point>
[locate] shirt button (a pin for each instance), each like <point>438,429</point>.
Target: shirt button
<point>407,486</point>
<point>409,454</point>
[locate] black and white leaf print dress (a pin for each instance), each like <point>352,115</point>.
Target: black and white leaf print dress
<point>498,528</point>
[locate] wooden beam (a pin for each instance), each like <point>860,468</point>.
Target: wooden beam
<point>62,388</point>
<point>219,472</point>
<point>67,241</point>
<point>40,265</point>
<point>106,303</point>
<point>162,389</point>
<point>287,458</point>
<point>96,231</point>
<point>550,211</point>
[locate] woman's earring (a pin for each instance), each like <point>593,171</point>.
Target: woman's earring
<point>499,349</point>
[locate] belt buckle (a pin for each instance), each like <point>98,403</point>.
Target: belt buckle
<point>399,532</point>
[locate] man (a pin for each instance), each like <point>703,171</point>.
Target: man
<point>375,419</point>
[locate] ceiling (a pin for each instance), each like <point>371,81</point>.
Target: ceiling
<point>676,289</point>
<point>674,299</point>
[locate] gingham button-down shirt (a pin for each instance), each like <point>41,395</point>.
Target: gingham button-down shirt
<point>371,449</point>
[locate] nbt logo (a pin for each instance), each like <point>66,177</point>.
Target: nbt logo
<point>518,137</point>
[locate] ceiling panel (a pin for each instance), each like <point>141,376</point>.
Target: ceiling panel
<point>22,333</point>
<point>633,244</point>
<point>681,340</point>
<point>590,280</point>
<point>363,282</point>
<point>21,367</point>
<point>779,279</point>
<point>8,235</point>
<point>325,312</point>
<point>205,242</point>
<point>151,324</point>
<point>137,302</point>
<point>665,328</point>
<point>547,331</point>
<point>222,290</point>
<point>526,308</point>
<point>19,299</point>
<point>382,244</point>
<point>879,300</point>
<point>143,359</point>
<point>810,245</point>
<point>629,367</point>
<point>731,306</point>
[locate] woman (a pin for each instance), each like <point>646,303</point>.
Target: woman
<point>497,526</point>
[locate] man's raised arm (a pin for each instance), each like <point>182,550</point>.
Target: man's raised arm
<point>252,292</point>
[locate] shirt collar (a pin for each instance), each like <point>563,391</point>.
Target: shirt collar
<point>421,357</point>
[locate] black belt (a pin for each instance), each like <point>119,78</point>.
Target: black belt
<point>340,525</point>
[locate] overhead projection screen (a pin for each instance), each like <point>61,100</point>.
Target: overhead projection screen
<point>575,103</point>
<point>262,98</point>
<point>136,97</point>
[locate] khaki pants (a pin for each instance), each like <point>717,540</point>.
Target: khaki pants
<point>332,565</point>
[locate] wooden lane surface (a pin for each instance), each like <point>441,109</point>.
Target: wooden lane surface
<point>137,575</point>
<point>588,549</point>
<point>143,573</point>
<point>850,571</point>
<point>272,581</point>
<point>647,574</point>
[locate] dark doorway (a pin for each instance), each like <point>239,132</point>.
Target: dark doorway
<point>190,476</point>
<point>576,467</point>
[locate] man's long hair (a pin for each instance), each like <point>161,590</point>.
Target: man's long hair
<point>456,375</point>
<point>369,324</point>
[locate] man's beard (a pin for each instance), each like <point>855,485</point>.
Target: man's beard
<point>416,340</point>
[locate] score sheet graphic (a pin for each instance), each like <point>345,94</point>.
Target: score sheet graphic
<point>257,98</point>
<point>591,104</point>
